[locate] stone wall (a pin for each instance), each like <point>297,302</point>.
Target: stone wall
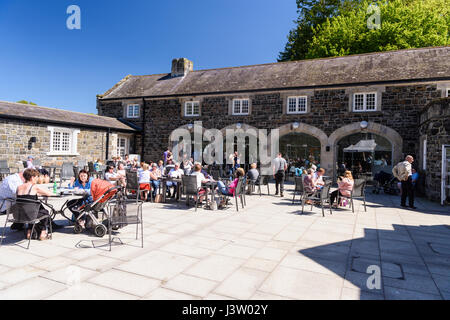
<point>329,111</point>
<point>15,136</point>
<point>435,126</point>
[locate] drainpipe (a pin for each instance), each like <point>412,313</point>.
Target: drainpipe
<point>107,143</point>
<point>143,130</point>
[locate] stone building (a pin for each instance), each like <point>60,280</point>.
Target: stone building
<point>54,136</point>
<point>322,107</point>
<point>435,145</point>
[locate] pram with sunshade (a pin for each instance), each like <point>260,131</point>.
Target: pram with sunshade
<point>102,193</point>
<point>385,181</point>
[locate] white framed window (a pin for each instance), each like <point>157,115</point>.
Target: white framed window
<point>297,104</point>
<point>447,92</point>
<point>192,109</point>
<point>133,111</point>
<point>63,141</point>
<point>366,101</point>
<point>241,106</point>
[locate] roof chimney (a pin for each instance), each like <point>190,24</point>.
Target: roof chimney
<point>181,67</point>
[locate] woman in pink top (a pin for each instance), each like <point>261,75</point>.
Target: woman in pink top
<point>345,186</point>
<point>229,191</point>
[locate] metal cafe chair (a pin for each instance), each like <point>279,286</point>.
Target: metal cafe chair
<point>358,192</point>
<point>322,196</point>
<point>4,169</point>
<point>66,173</point>
<point>298,188</point>
<point>25,211</point>
<point>133,185</point>
<point>190,189</point>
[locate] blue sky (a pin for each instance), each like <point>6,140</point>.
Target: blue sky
<point>43,61</point>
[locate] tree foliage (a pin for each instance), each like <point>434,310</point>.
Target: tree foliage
<point>27,102</point>
<point>404,24</point>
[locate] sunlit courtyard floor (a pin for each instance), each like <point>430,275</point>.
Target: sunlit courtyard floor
<point>269,250</point>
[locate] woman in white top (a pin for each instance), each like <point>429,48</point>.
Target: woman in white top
<point>113,177</point>
<point>144,180</point>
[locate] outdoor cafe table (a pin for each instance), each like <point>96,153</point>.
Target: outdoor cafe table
<point>211,185</point>
<point>62,194</point>
<point>164,181</point>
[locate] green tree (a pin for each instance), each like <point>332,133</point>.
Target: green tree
<point>404,24</point>
<point>27,102</point>
<point>312,13</point>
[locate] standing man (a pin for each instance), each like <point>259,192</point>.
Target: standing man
<point>279,168</point>
<point>403,172</point>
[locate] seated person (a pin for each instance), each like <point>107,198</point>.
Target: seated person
<point>121,169</point>
<point>155,175</point>
<point>169,166</point>
<point>83,182</point>
<point>144,178</point>
<point>231,188</point>
<point>200,179</point>
<point>345,186</point>
<point>309,182</point>
<point>174,173</point>
<point>253,173</point>
<point>318,176</point>
<point>97,165</point>
<point>299,171</point>
<point>114,177</point>
<point>8,190</point>
<point>29,190</point>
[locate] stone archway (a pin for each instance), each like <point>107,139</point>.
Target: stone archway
<point>390,134</point>
<point>325,158</point>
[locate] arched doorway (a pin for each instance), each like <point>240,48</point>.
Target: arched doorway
<point>303,144</point>
<point>384,138</point>
<point>365,154</point>
<point>300,147</point>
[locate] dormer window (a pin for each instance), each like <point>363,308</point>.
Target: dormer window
<point>365,101</point>
<point>192,109</point>
<point>133,111</point>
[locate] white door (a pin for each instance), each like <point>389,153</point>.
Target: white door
<point>445,188</point>
<point>122,146</point>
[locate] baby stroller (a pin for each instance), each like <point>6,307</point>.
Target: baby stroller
<point>102,193</point>
<point>387,182</point>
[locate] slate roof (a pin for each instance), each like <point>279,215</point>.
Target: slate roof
<point>52,115</point>
<point>401,65</point>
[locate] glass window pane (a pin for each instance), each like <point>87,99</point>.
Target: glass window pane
<point>359,102</point>
<point>370,101</point>
<point>56,141</point>
<point>302,104</point>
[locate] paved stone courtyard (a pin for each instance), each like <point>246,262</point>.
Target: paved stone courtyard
<point>266,251</point>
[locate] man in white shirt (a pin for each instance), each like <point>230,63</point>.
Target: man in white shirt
<point>403,172</point>
<point>8,189</point>
<point>174,173</point>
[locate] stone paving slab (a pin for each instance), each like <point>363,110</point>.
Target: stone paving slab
<point>269,251</point>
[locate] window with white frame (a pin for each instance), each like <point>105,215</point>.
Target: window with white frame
<point>296,104</point>
<point>63,141</point>
<point>133,111</point>
<point>192,108</point>
<point>447,92</point>
<point>366,101</point>
<point>240,106</point>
